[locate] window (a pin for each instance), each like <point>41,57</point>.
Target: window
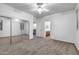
<point>1,25</point>
<point>22,26</point>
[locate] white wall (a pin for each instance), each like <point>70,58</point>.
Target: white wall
<point>63,26</point>
<point>77,33</point>
<point>77,40</point>
<point>31,29</point>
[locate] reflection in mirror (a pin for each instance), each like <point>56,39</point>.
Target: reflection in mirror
<point>19,30</point>
<point>1,23</point>
<point>4,31</point>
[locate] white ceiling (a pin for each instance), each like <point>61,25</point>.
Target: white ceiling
<point>52,7</point>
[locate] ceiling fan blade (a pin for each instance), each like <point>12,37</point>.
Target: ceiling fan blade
<point>45,10</point>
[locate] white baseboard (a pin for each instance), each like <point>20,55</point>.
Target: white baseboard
<point>77,46</point>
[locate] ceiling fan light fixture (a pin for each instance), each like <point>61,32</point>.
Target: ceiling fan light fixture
<point>39,7</point>
<point>39,11</point>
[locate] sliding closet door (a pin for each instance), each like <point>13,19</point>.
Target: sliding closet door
<point>4,31</point>
<point>15,31</point>
<point>25,30</point>
<point>19,31</point>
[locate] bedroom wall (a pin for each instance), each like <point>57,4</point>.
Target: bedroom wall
<point>63,26</point>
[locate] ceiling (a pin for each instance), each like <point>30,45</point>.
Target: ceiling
<point>52,7</point>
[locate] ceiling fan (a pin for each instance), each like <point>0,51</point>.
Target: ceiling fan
<point>40,7</point>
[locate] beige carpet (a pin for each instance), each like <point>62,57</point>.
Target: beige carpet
<point>37,46</point>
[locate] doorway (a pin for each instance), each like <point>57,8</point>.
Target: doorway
<point>34,29</point>
<point>47,29</point>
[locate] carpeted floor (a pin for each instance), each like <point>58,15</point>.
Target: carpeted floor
<point>36,46</point>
